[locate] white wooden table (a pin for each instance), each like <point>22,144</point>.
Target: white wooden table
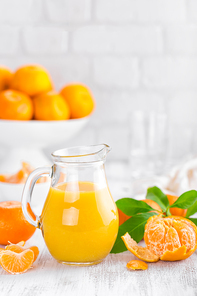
<point>110,278</point>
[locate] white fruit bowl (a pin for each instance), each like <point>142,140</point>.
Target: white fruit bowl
<point>24,140</point>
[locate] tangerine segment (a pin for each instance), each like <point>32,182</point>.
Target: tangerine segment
<point>156,231</point>
<point>176,233</point>
<point>18,249</point>
<point>186,234</point>
<point>137,264</point>
<point>172,241</point>
<point>16,263</point>
<point>140,252</point>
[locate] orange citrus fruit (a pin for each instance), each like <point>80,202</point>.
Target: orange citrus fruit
<point>171,238</point>
<point>16,263</point>
<point>50,106</point>
<point>137,264</point>
<point>79,99</point>
<point>152,204</point>
<point>21,176</point>
<point>15,105</point>
<point>140,252</point>
<point>32,80</point>
<point>123,217</point>
<point>175,211</point>
<point>22,243</point>
<point>18,249</point>
<point>5,78</point>
<point>13,225</point>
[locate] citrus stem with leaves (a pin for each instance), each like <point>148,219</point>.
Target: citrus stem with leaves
<point>139,212</point>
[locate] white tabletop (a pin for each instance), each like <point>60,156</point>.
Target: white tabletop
<point>110,277</point>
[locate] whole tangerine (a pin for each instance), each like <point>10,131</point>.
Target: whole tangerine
<point>50,106</point>
<point>123,217</point>
<point>13,225</point>
<point>15,105</point>
<point>5,77</point>
<point>32,80</point>
<point>175,211</point>
<point>152,204</point>
<point>79,98</point>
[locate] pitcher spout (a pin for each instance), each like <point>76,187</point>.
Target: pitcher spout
<point>82,154</point>
<point>105,149</point>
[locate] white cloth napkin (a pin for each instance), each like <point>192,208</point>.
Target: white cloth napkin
<point>181,178</point>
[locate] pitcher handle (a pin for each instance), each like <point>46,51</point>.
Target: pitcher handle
<point>31,217</point>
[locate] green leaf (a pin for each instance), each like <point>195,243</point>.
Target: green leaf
<point>194,220</point>
<point>154,193</point>
<point>135,227</point>
<point>186,200</point>
<point>131,206</point>
<point>192,210</point>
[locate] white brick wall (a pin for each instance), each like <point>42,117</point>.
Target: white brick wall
<point>170,72</point>
<point>192,10</point>
<point>74,11</point>
<point>12,11</point>
<point>141,10</point>
<point>117,136</point>
<point>9,40</point>
<point>132,53</point>
<point>182,39</point>
<point>115,39</point>
<point>44,40</point>
<point>117,106</point>
<point>116,72</point>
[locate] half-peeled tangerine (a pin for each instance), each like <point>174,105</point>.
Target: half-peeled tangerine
<point>167,238</point>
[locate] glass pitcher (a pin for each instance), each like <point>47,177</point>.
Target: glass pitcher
<point>79,220</point>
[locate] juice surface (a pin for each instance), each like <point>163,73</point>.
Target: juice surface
<point>79,222</point>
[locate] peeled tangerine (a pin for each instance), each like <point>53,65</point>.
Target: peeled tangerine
<point>170,239</point>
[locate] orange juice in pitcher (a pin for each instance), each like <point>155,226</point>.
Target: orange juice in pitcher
<point>79,220</point>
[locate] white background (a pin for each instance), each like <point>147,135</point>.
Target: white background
<point>131,53</point>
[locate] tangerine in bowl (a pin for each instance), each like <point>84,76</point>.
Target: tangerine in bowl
<point>35,116</point>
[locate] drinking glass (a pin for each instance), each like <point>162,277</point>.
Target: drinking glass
<point>148,143</point>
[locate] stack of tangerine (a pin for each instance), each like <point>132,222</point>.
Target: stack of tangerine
<point>29,94</point>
